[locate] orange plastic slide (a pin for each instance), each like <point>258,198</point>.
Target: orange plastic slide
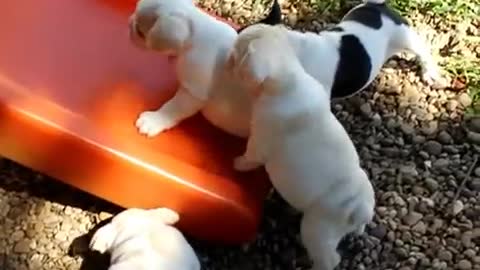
<point>71,88</point>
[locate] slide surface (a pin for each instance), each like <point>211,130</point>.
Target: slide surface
<point>71,88</point>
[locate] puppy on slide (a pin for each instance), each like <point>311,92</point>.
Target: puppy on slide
<point>347,57</point>
<point>309,157</point>
<point>140,239</point>
<point>201,44</point>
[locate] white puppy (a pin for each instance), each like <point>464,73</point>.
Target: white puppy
<point>346,58</point>
<point>202,45</point>
<point>307,153</point>
<point>145,240</point>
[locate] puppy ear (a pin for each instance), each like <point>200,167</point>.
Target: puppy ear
<point>260,64</point>
<point>257,66</point>
<point>134,34</point>
<point>169,32</point>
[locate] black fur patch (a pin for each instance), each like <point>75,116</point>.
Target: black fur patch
<point>370,15</point>
<point>273,18</point>
<point>354,67</point>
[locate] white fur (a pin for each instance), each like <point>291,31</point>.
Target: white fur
<point>307,153</point>
<point>202,44</point>
<point>202,48</point>
<point>145,240</point>
<point>318,53</point>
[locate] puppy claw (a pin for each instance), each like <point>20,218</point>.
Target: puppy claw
<point>103,239</point>
<point>151,123</point>
<point>242,164</point>
<point>433,78</point>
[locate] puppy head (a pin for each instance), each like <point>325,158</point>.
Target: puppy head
<point>162,25</point>
<point>260,54</point>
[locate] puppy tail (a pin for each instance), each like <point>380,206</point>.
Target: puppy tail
<point>273,18</point>
<point>275,15</point>
<point>378,2</point>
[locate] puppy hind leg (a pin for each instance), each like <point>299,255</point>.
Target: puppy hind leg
<point>408,39</point>
<point>320,237</point>
<point>178,108</point>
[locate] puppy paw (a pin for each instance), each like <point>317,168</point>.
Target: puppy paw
<point>103,239</point>
<point>360,230</point>
<point>242,164</point>
<point>151,123</point>
<point>432,78</point>
<point>166,215</point>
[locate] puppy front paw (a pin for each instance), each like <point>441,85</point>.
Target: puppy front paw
<point>151,123</point>
<point>103,239</point>
<point>432,77</point>
<point>242,164</point>
<point>166,215</point>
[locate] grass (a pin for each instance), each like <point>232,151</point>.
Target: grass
<point>470,69</point>
<point>455,11</point>
<point>449,9</point>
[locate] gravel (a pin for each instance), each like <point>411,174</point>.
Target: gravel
<point>413,141</point>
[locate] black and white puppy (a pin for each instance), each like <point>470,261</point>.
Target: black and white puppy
<point>346,58</point>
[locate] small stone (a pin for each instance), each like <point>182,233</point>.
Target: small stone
<point>23,246</point>
<point>477,171</point>
<point>444,137</point>
<point>464,99</point>
<point>17,236</point>
<point>420,227</point>
<point>409,170</point>
<point>61,236</point>
<point>457,207</point>
<point>366,109</point>
<point>445,255</point>
<point>380,231</point>
<point>469,253</point>
<point>419,139</point>
<point>464,265</point>
<point>466,239</point>
<point>431,184</point>
<point>474,184</point>
<point>474,124</point>
<point>429,128</point>
<point>433,147</point>
<point>412,218</point>
<point>441,163</point>
<point>401,252</point>
<point>407,129</point>
<point>452,105</point>
<point>473,137</point>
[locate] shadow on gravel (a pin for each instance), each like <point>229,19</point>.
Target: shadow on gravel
<point>23,197</point>
<point>5,263</point>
